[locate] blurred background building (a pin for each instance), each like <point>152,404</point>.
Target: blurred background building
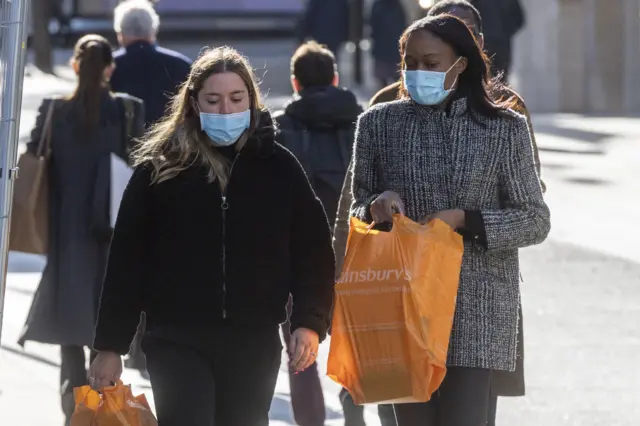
<point>579,56</point>
<point>572,55</point>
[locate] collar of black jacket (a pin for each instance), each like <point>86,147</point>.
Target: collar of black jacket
<point>262,141</point>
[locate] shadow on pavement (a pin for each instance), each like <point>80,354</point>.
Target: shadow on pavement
<point>556,167</point>
<point>573,133</point>
<point>30,356</point>
<point>572,151</point>
<point>589,181</point>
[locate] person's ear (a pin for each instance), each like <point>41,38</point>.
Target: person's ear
<point>108,71</point>
<point>194,104</point>
<point>76,66</point>
<point>461,66</point>
<point>481,41</point>
<point>336,79</point>
<point>295,84</point>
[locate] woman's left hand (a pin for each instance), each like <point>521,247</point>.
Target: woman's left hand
<point>454,218</point>
<point>303,349</point>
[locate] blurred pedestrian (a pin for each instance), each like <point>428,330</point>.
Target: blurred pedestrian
<point>493,198</point>
<point>327,22</point>
<point>387,25</point>
<point>502,21</point>
<point>143,68</point>
<point>318,126</point>
<point>217,228</point>
<point>85,128</point>
<point>413,10</point>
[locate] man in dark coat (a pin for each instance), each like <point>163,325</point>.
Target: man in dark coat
<point>327,22</point>
<point>318,126</point>
<point>144,69</point>
<point>387,25</point>
<point>502,21</point>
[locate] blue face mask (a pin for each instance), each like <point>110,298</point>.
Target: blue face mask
<point>225,129</point>
<point>427,87</point>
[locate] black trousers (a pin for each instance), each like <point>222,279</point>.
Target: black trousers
<point>225,377</point>
<point>354,414</point>
<point>307,399</point>
<point>73,374</point>
<point>462,400</point>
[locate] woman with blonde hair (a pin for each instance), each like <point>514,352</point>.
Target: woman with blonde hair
<point>217,227</point>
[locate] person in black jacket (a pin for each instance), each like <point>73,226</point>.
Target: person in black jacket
<point>327,22</point>
<point>388,21</point>
<point>217,227</point>
<point>317,126</point>
<point>144,69</point>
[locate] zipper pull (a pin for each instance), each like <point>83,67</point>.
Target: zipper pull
<point>224,205</point>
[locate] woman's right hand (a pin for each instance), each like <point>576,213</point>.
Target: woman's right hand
<point>385,206</point>
<point>105,370</point>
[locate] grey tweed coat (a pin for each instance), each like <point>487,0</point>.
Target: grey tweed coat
<point>438,159</point>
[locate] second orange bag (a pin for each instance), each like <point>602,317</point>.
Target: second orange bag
<point>113,406</point>
<point>394,308</point>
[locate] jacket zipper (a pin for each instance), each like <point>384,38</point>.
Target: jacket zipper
<point>224,206</point>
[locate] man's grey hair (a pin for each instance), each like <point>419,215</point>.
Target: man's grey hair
<point>136,19</point>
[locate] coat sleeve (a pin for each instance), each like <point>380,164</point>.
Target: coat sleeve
<point>313,263</point>
<point>38,128</point>
<point>366,185</point>
<point>341,227</point>
<point>138,128</point>
<point>536,151</point>
<point>122,289</point>
<point>526,219</point>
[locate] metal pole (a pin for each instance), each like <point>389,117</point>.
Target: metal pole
<point>14,23</point>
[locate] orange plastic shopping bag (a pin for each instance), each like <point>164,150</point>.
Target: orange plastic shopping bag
<point>394,308</point>
<point>112,406</point>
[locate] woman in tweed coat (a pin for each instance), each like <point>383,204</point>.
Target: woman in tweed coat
<point>467,160</point>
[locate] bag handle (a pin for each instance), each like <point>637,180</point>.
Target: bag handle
<point>44,144</point>
<point>368,230</point>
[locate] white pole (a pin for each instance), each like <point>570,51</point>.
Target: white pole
<point>15,30</point>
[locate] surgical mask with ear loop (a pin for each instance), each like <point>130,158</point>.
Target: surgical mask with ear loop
<point>224,129</point>
<point>427,87</point>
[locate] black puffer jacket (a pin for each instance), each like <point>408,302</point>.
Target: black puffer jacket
<point>322,108</point>
<point>318,127</point>
<point>192,257</point>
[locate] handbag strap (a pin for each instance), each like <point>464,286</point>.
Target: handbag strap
<point>44,145</point>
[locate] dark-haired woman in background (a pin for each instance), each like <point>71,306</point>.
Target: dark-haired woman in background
<point>85,128</point>
<point>447,150</point>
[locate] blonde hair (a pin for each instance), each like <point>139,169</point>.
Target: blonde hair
<point>177,142</point>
